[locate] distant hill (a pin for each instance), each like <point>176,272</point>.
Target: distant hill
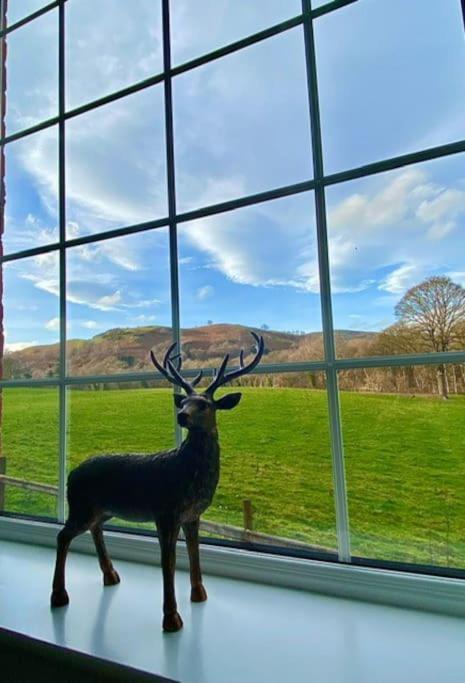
<point>127,349</point>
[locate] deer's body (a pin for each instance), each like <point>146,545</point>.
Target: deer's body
<point>180,482</point>
<point>172,488</point>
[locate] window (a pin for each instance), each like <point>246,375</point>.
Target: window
<point>293,168</point>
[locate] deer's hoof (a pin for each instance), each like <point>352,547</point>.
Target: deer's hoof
<point>172,622</point>
<point>59,598</point>
<point>198,594</point>
<point>111,578</point>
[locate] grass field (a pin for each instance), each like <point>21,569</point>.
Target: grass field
<point>405,461</point>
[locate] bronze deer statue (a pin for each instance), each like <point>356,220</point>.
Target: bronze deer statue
<point>171,488</point>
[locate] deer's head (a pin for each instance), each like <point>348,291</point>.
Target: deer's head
<point>197,411</point>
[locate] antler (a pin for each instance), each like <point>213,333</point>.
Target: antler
<point>172,372</point>
<point>223,377</point>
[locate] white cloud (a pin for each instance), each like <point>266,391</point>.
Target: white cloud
<point>90,324</point>
<point>373,232</point>
<point>388,207</point>
<point>53,325</point>
<point>205,292</point>
<point>19,346</point>
<point>143,319</point>
<point>401,279</point>
<point>263,245</point>
<point>108,302</point>
<point>144,303</point>
<point>457,276</point>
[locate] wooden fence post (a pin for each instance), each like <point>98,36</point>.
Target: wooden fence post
<point>2,484</point>
<point>248,514</point>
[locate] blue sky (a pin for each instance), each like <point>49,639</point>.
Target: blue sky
<point>391,81</point>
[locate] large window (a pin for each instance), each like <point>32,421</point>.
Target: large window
<point>188,171</point>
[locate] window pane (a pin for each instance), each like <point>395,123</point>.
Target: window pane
<point>204,26</point>
<point>31,184</point>
<point>241,123</point>
<point>116,164</point>
<point>132,418</point>
<point>255,267</point>
<point>404,449</point>
<point>319,3</point>
<point>32,92</point>
<point>132,49</point>
<point>391,79</point>
<point>30,317</point>
<point>276,454</point>
<point>396,260</point>
<point>29,450</point>
<point>18,9</point>
<point>118,303</point>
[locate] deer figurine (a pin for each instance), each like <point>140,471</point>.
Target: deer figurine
<point>171,488</point>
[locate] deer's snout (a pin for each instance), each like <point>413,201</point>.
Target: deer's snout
<point>183,418</point>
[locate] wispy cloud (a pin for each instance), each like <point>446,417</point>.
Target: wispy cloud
<point>53,324</point>
<point>19,346</point>
<point>205,292</point>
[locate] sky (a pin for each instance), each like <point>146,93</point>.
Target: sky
<point>391,78</point>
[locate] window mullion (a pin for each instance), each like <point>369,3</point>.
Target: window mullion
<point>62,469</point>
<point>337,450</point>
<point>173,238</point>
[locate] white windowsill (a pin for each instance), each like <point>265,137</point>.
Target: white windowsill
<point>430,593</point>
<point>246,632</point>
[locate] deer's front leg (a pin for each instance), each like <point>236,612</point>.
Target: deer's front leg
<point>191,532</point>
<point>168,531</point>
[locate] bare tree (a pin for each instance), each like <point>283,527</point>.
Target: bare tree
<point>435,311</point>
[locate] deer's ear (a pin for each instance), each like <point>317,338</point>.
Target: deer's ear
<point>178,399</point>
<point>227,402</point>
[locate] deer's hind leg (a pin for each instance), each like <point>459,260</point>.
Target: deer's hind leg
<point>110,575</point>
<point>59,597</point>
<point>191,532</point>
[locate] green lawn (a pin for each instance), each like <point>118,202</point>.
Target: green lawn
<point>405,461</point>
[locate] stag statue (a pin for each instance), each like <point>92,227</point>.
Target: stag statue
<point>171,488</point>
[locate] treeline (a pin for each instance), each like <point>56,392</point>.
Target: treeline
<point>412,380</point>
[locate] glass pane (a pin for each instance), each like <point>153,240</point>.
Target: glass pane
<point>31,184</point>
<point>257,268</point>
<point>118,303</point>
<point>241,123</point>
<point>29,451</point>
<point>396,250</point>
<point>30,317</point>
<point>319,3</point>
<point>116,164</point>
<point>132,49</point>
<point>132,418</point>
<point>18,9</point>
<point>391,79</point>
<point>32,72</point>
<point>404,449</point>
<point>204,26</point>
<point>278,433</point>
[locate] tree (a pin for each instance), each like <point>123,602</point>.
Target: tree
<point>435,311</point>
<point>265,327</point>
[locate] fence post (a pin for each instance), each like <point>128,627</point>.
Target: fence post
<point>248,514</point>
<point>2,483</point>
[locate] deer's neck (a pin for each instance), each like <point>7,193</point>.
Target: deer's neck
<point>205,443</point>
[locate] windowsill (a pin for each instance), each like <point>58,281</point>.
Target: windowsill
<point>246,632</point>
<point>249,628</point>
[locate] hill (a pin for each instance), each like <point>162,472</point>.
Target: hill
<point>127,349</point>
